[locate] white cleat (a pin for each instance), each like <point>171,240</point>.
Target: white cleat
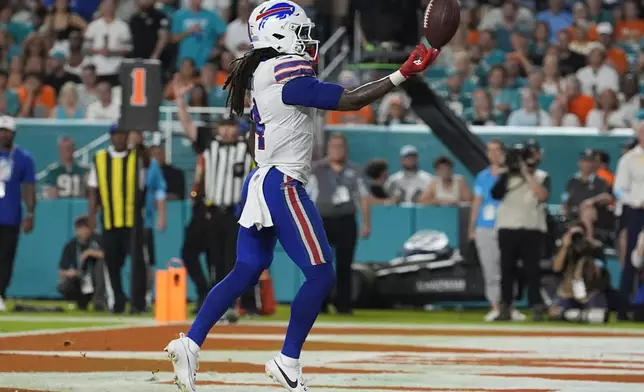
<point>290,378</point>
<point>3,307</point>
<point>518,316</point>
<point>491,315</point>
<point>184,354</point>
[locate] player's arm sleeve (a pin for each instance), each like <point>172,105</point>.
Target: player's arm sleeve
<point>309,92</point>
<point>92,179</point>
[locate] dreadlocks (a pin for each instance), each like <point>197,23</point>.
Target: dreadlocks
<point>241,75</point>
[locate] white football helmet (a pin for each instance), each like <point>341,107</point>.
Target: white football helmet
<point>283,26</point>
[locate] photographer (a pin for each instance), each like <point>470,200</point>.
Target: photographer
<point>521,224</point>
<point>580,296</point>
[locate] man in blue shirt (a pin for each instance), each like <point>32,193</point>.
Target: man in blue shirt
<point>196,30</point>
<point>482,228</point>
<point>556,18</point>
<point>17,181</point>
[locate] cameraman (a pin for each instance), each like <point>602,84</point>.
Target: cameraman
<point>581,262</point>
<point>521,223</point>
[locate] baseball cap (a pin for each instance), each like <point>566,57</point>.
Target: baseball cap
<point>408,150</point>
<point>532,144</point>
<point>115,128</point>
<point>587,155</point>
<point>8,123</point>
<point>604,28</point>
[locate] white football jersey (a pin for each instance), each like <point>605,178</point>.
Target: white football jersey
<point>284,134</point>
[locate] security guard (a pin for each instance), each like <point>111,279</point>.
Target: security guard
<point>116,186</point>
<point>337,188</point>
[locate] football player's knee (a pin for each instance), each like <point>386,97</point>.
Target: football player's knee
<point>247,272</point>
<point>323,274</point>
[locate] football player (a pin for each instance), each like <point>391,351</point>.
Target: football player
<point>278,76</point>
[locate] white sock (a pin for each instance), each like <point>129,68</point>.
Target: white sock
<point>288,361</point>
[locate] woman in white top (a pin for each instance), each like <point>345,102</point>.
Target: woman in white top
<point>447,188</point>
<point>606,117</point>
<point>551,78</point>
<point>559,117</point>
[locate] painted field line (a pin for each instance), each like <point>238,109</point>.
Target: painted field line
<point>77,319</point>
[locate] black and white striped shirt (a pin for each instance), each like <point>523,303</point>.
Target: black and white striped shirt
<point>225,167</point>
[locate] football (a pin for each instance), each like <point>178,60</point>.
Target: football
<point>440,22</point>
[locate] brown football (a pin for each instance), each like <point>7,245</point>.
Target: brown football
<point>441,21</point>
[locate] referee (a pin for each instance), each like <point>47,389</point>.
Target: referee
<point>223,164</point>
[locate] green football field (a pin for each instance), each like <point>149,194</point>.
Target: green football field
<point>74,318</point>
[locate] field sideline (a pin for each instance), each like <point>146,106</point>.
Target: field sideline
<point>374,351</point>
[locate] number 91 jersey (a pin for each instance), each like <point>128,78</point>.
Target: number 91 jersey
<point>284,134</point>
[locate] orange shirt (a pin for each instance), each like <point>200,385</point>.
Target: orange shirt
<point>625,29</point>
<point>47,97</point>
<point>617,56</point>
<point>362,116</point>
<point>581,105</point>
<point>473,37</point>
<point>607,176</point>
<point>221,77</point>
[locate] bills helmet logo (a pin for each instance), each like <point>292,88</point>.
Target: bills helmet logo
<point>278,11</point>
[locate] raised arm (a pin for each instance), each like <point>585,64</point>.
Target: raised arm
<point>309,92</point>
<point>180,91</point>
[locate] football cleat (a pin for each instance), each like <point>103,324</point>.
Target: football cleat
<point>184,354</point>
<point>290,378</point>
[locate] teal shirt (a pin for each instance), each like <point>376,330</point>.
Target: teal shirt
<point>495,57</point>
<point>155,190</point>
<point>508,97</point>
<point>13,102</point>
<point>19,31</point>
<point>217,97</point>
<point>197,46</point>
<point>545,100</point>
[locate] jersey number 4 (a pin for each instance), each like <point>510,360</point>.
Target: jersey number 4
<point>259,127</point>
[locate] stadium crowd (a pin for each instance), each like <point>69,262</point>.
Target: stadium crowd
<point>516,62</point>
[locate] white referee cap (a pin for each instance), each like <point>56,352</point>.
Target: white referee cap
<point>8,123</point>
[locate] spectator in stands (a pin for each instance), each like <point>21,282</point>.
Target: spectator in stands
<point>552,83</point>
<point>237,40</point>
<point>69,106</point>
<point>216,95</point>
<point>69,178</point>
<point>60,22</point>
<point>198,97</point>
<point>510,24</point>
<point>559,117</point>
<point>540,43</point>
<point>349,80</point>
<point>579,43</point>
<point>87,92</point>
<point>632,99</point>
<point>221,7</point>
<point>397,113</point>
<point>8,50</point>
<point>196,30</point>
<point>410,182</point>
<point>556,17</point>
<point>519,53</point>
<point>491,54</point>
<point>9,94</point>
<point>15,72</point>
<point>464,67</point>
<point>224,61</point>
<point>577,103</point>
<point>580,20</point>
<point>35,65</point>
<point>606,116</point>
<point>535,83</point>
<point>615,55</point>
<point>149,28</point>
<point>76,58</point>
<point>514,73</point>
<point>482,112</point>
<point>586,194</point>
<point>530,114</point>
<point>631,27</point>
<point>569,61</point>
<point>108,40</point>
<point>602,162</point>
<point>18,31</point>
<point>377,173</point>
<point>55,74</point>
<point>504,99</point>
<point>105,108</point>
<point>185,75</point>
<point>597,75</point>
<point>36,99</point>
<point>494,17</point>
<point>385,102</point>
<point>447,189</point>
<point>174,178</point>
<point>81,269</point>
<point>597,14</point>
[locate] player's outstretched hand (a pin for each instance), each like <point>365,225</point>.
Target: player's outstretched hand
<point>419,60</point>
